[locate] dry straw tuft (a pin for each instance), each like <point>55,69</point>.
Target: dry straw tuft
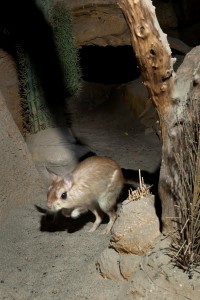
<point>186,240</point>
<point>142,191</point>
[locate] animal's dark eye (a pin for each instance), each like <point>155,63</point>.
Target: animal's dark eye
<point>64,196</point>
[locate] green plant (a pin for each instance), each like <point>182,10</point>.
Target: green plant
<point>61,21</point>
<point>35,111</point>
<point>36,115</point>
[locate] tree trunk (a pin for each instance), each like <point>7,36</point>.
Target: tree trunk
<point>169,92</point>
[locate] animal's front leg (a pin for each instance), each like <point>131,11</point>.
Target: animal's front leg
<point>97,221</point>
<point>74,212</point>
<point>78,211</point>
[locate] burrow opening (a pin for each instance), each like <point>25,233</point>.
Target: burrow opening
<point>108,65</point>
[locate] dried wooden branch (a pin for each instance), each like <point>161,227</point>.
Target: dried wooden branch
<point>151,49</point>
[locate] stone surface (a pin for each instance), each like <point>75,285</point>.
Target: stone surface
<point>128,264</point>
<point>133,234</point>
<point>136,227</point>
<point>9,87</point>
<point>56,149</point>
<point>135,94</point>
<point>117,266</point>
<point>101,22</point>
<point>108,264</point>
<point>157,278</point>
<point>20,181</point>
<point>98,23</point>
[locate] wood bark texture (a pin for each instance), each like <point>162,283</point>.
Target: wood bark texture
<point>168,92</point>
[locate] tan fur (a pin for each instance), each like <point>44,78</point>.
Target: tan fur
<point>95,185</point>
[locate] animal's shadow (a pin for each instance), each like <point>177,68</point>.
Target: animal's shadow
<point>50,222</point>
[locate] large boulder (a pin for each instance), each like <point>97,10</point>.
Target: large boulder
<point>133,234</point>
<point>136,227</point>
<point>55,149</point>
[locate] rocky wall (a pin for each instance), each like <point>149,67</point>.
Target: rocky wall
<point>20,182</point>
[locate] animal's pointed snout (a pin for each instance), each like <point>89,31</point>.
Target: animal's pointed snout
<point>49,205</point>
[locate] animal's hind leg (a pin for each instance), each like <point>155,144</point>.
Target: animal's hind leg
<point>108,199</point>
<point>107,203</point>
<point>112,215</point>
<point>98,220</point>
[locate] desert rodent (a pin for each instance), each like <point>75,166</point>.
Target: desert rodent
<point>94,185</point>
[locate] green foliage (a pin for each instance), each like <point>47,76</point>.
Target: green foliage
<point>61,21</point>
<point>36,115</point>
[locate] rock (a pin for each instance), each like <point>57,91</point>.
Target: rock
<point>136,227</point>
<point>56,149</point>
<point>136,96</point>
<point>102,22</point>
<point>156,275</point>
<point>128,264</point>
<point>116,266</point>
<point>133,233</point>
<point>108,264</point>
<point>9,87</point>
<point>20,181</point>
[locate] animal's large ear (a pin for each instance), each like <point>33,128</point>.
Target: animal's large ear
<point>68,180</point>
<point>52,175</point>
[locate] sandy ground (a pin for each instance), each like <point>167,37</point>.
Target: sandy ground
<point>42,258</point>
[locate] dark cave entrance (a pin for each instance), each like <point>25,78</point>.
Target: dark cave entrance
<point>108,65</point>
